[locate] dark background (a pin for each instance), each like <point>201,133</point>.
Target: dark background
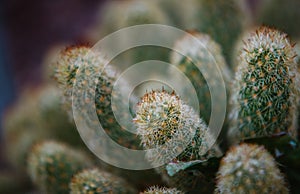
<point>27,30</point>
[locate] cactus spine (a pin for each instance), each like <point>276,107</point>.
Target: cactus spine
<point>265,87</point>
<point>51,166</point>
<point>249,168</point>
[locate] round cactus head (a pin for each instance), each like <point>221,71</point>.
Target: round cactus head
<point>95,181</point>
<point>265,86</point>
<point>249,168</point>
<point>163,119</point>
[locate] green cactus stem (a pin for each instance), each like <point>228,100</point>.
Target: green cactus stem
<point>264,96</point>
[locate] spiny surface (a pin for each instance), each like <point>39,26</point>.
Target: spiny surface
<point>89,73</point>
<point>265,86</point>
<point>163,119</point>
<point>249,168</point>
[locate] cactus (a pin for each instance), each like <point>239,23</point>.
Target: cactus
<point>161,190</point>
<point>207,54</point>
<point>222,20</point>
<point>162,118</point>
<point>66,70</point>
<point>91,63</point>
<point>265,87</point>
<point>249,168</point>
<point>51,166</point>
<point>96,181</point>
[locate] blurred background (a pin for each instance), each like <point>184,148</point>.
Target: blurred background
<point>31,32</point>
<point>27,31</point>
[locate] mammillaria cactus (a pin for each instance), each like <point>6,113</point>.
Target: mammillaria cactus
<point>200,51</point>
<point>95,181</point>
<point>64,70</point>
<point>163,119</point>
<point>249,168</point>
<point>161,190</point>
<point>51,166</point>
<point>265,88</point>
<point>82,65</point>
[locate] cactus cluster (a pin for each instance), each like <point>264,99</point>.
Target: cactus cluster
<point>261,142</point>
<point>265,86</point>
<point>51,166</point>
<point>249,168</point>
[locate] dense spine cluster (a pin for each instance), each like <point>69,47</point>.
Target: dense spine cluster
<point>265,87</point>
<point>163,119</point>
<point>64,71</point>
<point>83,67</point>
<point>249,168</point>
